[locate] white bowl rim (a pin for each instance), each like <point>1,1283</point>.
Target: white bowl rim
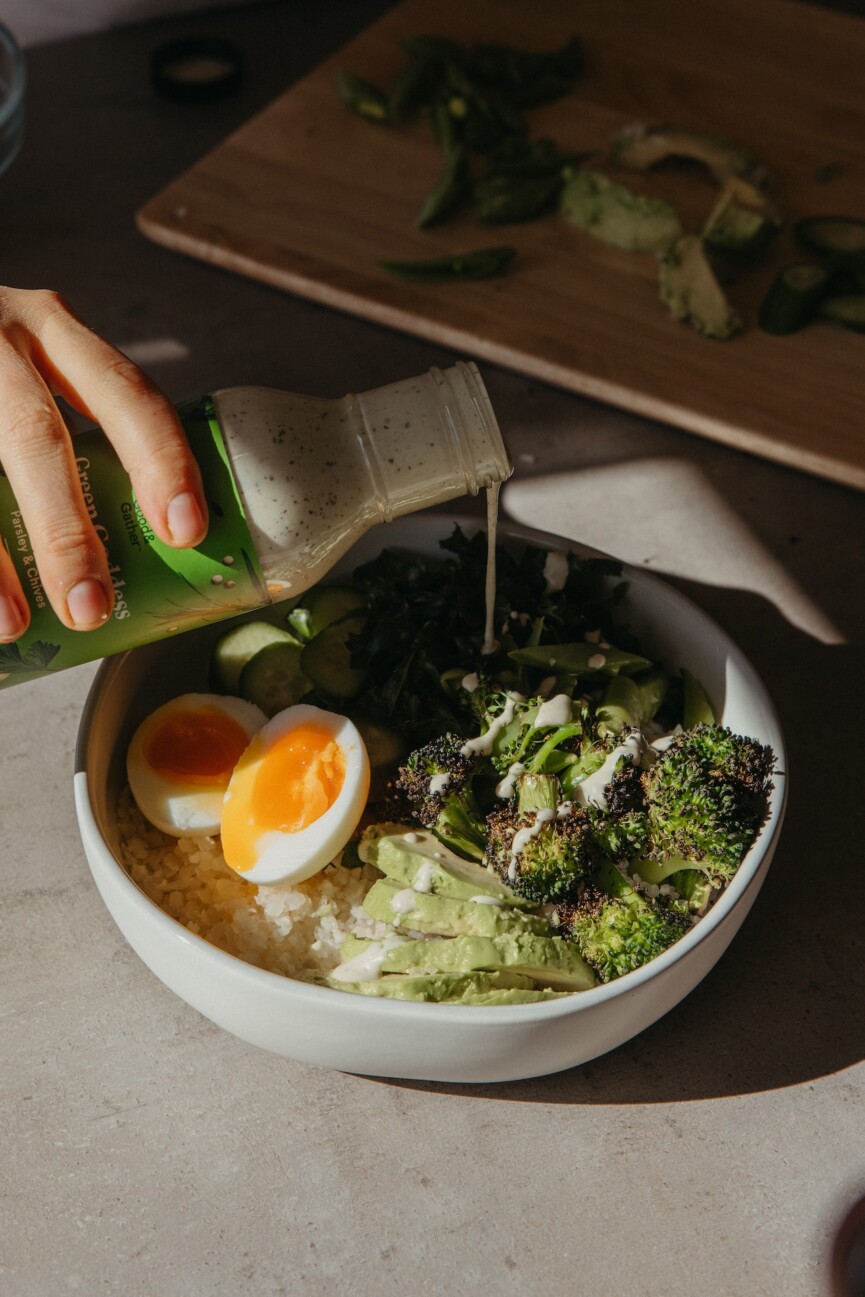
<point>541,1010</point>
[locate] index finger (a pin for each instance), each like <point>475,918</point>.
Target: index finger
<point>137,418</point>
<point>38,460</point>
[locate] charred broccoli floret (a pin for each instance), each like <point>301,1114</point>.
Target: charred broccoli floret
<point>616,928</point>
<point>541,847</point>
<point>706,797</point>
<point>435,786</point>
<point>623,827</point>
<point>624,794</point>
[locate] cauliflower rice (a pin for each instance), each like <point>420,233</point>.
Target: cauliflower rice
<point>291,930</point>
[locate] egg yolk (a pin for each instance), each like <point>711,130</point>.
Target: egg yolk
<point>200,748</point>
<point>292,784</point>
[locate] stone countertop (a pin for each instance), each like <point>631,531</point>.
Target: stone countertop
<point>144,1150</point>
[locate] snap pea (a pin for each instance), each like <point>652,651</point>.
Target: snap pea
<point>487,123</point>
<point>501,119</point>
<point>501,199</point>
<point>482,263</point>
<point>409,90</point>
<point>449,190</point>
<point>474,96</point>
<point>457,106</point>
<point>485,118</point>
<point>443,125</point>
<point>579,658</point>
<point>458,79</point>
<point>362,97</point>
<point>630,701</point>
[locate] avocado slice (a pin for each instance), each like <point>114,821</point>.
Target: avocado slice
<point>551,962</point>
<point>236,647</point>
<point>613,214</point>
<point>443,988</point>
<point>362,959</point>
<point>689,288</point>
<point>444,915</point>
<point>416,858</point>
<point>353,946</point>
<point>639,147</point>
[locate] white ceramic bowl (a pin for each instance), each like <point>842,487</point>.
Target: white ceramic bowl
<point>379,1037</point>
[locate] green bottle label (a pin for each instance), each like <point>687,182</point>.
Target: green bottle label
<point>158,591</point>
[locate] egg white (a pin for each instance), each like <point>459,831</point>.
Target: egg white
<point>291,857</point>
<point>171,803</point>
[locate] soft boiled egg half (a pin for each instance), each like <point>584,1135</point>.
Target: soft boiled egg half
<point>295,797</point>
<point>181,758</point>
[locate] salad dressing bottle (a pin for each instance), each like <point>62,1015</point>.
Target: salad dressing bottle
<point>291,482</point>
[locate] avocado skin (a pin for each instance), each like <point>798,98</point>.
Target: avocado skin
<point>401,859</point>
<point>641,147</point>
<point>446,916</point>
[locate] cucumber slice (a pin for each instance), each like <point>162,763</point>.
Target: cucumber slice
<point>237,646</point>
<point>847,309</point>
<point>794,297</point>
<point>840,237</point>
<point>326,660</point>
<point>322,606</point>
<point>274,679</point>
<point>330,603</point>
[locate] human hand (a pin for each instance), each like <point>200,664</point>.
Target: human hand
<point>46,351</point>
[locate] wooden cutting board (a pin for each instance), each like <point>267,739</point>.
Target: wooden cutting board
<point>308,197</point>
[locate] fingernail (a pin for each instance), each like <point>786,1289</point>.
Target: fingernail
<point>12,621</point>
<point>87,603</point>
<point>185,519</point>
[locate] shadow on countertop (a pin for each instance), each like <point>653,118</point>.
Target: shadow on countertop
<point>786,1003</point>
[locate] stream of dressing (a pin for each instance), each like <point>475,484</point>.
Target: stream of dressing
<point>490,643</point>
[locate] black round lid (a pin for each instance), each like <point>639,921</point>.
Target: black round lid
<point>195,69</point>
